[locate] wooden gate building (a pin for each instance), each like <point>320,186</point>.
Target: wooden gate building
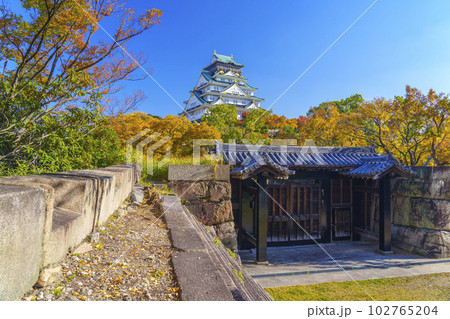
<point>290,195</point>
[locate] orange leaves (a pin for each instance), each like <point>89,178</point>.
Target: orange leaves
<point>179,129</point>
<point>151,17</point>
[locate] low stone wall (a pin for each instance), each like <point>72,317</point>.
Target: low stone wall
<point>43,216</point>
<point>205,190</point>
<point>420,210</point>
<point>204,268</point>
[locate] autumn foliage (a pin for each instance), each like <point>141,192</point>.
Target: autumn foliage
<point>179,129</point>
<point>414,127</point>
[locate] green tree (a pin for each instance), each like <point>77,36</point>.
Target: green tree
<point>224,118</point>
<point>346,105</point>
<point>75,139</point>
<point>255,122</point>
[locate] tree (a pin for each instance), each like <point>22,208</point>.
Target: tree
<point>224,118</point>
<point>254,126</point>
<point>50,61</point>
<point>413,127</point>
<point>181,131</point>
<point>115,107</point>
<point>324,127</point>
<point>346,105</point>
<point>437,109</point>
<point>77,138</point>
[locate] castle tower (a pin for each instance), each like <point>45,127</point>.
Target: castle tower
<point>221,82</point>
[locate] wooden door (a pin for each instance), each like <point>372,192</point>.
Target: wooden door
<point>293,213</point>
<point>341,203</point>
<point>342,223</point>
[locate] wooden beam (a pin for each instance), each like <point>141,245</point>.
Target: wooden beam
<point>385,215</point>
<point>261,229</point>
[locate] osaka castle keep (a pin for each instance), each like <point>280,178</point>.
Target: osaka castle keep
<point>221,82</point>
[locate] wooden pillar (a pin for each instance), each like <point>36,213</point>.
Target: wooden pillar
<point>385,215</point>
<point>326,207</point>
<point>261,224</point>
<point>240,214</point>
<point>356,212</point>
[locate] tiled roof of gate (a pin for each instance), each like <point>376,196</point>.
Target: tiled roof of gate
<point>353,161</point>
<point>374,166</point>
<point>258,162</point>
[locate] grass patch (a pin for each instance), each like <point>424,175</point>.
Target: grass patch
<point>418,288</point>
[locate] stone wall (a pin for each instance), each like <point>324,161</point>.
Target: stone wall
<point>420,210</point>
<point>43,216</point>
<point>205,191</point>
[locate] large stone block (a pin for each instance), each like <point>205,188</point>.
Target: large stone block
<point>219,191</point>
<point>432,172</point>
<point>106,182</point>
<point>438,188</point>
<point>401,210</point>
<point>190,192</point>
<point>199,172</point>
<point>430,213</point>
<point>22,219</point>
<point>223,212</point>
<point>426,242</point>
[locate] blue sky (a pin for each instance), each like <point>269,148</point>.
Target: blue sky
<point>397,42</point>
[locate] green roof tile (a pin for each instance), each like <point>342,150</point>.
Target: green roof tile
<point>226,59</point>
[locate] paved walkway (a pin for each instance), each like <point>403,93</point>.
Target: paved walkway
<point>304,265</point>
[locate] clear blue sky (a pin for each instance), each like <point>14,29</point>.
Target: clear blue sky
<point>397,42</point>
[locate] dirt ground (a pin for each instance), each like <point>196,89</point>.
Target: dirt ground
<point>130,259</point>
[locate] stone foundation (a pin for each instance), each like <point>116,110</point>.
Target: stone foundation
<point>206,193</point>
<point>420,210</point>
<point>426,242</point>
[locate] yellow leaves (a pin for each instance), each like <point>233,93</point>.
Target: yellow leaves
<point>75,293</point>
<point>99,246</point>
<point>82,298</point>
<point>157,274</point>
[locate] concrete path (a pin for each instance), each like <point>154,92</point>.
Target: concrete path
<point>304,265</point>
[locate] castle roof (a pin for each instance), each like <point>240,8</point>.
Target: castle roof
<point>225,59</point>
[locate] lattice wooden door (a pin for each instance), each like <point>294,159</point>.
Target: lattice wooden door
<point>293,212</point>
